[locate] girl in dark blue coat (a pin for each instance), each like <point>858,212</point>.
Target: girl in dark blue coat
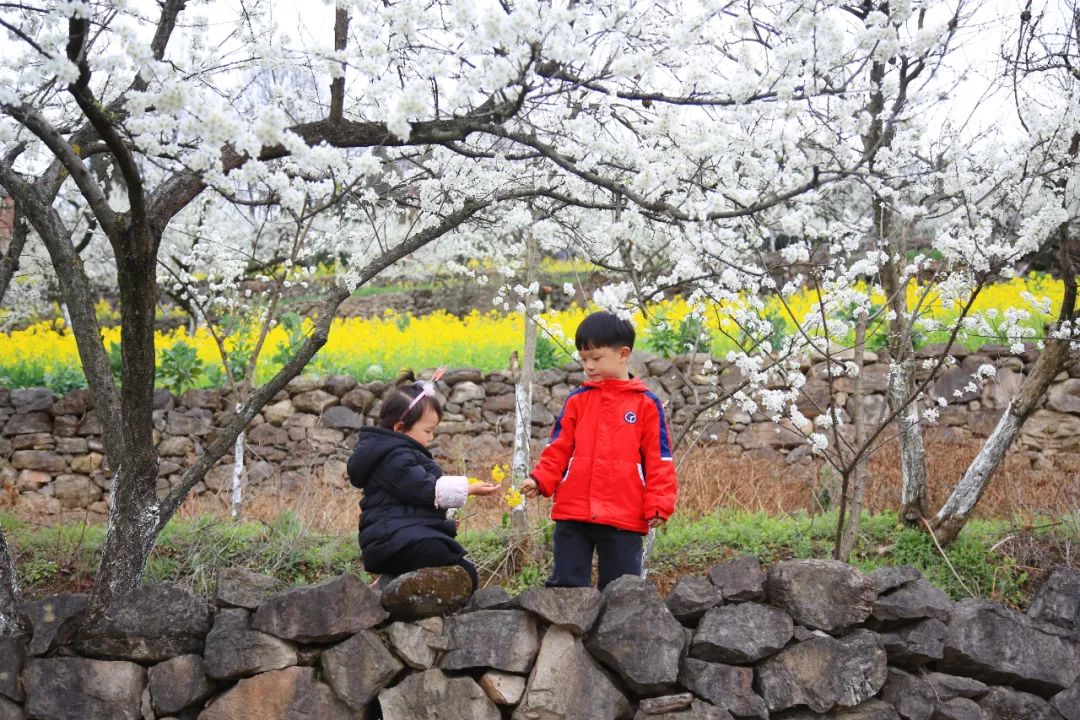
<point>403,522</point>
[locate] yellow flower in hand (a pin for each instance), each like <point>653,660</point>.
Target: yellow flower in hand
<point>498,474</point>
<point>514,498</point>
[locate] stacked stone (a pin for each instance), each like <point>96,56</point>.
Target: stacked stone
<point>52,460</point>
<point>807,639</point>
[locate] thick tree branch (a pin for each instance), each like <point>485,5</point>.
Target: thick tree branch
<point>78,33</point>
<point>71,162</point>
<point>79,295</point>
<point>9,263</point>
<point>174,193</point>
<point>227,436</point>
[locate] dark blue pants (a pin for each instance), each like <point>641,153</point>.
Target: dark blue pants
<point>618,553</point>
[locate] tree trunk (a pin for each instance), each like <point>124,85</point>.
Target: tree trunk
<point>134,524</point>
<point>9,263</point>
<point>891,239</point>
<point>523,399</point>
<point>237,476</point>
<point>10,622</point>
<point>853,501</point>
<point>956,511</point>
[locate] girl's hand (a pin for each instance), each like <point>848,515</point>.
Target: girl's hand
<point>483,488</point>
<point>528,488</point>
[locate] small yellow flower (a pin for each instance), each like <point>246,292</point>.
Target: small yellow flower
<point>498,474</point>
<point>514,498</point>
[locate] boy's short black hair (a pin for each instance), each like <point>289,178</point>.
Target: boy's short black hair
<point>604,329</point>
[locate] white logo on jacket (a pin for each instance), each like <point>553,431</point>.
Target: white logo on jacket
<point>630,417</point>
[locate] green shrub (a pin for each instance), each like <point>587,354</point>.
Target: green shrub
<point>667,340</point>
<point>180,367</point>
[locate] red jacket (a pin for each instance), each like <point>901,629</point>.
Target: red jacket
<point>609,457</point>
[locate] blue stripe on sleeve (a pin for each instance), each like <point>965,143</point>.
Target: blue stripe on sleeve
<point>665,441</point>
<point>558,421</point>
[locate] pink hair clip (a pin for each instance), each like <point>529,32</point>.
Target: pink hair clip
<point>427,388</point>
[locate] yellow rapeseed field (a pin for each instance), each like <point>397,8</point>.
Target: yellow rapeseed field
<point>382,346</point>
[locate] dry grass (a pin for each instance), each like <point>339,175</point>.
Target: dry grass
<point>710,477</point>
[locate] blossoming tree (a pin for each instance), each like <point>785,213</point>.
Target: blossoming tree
<point>423,122</point>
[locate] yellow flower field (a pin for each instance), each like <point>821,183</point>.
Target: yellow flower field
<point>379,347</point>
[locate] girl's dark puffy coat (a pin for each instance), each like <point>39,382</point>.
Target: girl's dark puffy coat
<point>397,475</point>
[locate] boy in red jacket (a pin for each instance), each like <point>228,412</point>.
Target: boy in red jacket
<point>608,463</point>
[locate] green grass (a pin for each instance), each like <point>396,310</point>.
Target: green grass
<point>189,552</point>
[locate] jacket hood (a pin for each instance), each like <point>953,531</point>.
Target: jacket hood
<point>616,385</point>
<point>373,444</point>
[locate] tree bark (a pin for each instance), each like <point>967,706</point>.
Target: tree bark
<point>10,622</point>
<point>523,399</point>
<point>957,510</point>
<point>9,263</point>
<point>237,496</point>
<point>913,500</point>
<point>847,530</point>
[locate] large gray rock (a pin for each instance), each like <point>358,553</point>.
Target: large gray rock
<point>493,597</point>
<point>342,418</point>
<point>698,710</point>
<point>431,695</point>
<point>10,711</point>
<point>915,644</point>
<point>1058,599</point>
<point>912,601</point>
<point>574,609</point>
<point>289,694</point>
<point>314,401</point>
<point>821,594</point>
<point>34,399</point>
<point>567,684</point>
<point>150,624</point>
<point>638,637</point>
<point>1007,704</point>
<point>1067,702</point>
<point>743,633</point>
<point>417,642</point>
<point>869,710</point>
<point>726,686</point>
<point>427,592</point>
<point>178,683</point>
<point>13,652</point>
<point>893,576</point>
<point>824,672</point>
<point>691,597</point>
<point>917,697</point>
<point>995,644</point>
<point>68,688</point>
<point>739,579</point>
<point>501,639</point>
<point>234,650</point>
<point>331,610</point>
<point>958,709</point>
<point>240,587</point>
<point>46,617</point>
<point>359,668</point>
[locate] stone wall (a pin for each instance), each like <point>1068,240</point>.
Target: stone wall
<point>52,460</point>
<point>807,639</point>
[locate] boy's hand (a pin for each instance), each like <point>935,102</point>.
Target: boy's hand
<point>529,488</point>
<point>483,488</point>
<point>655,521</point>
